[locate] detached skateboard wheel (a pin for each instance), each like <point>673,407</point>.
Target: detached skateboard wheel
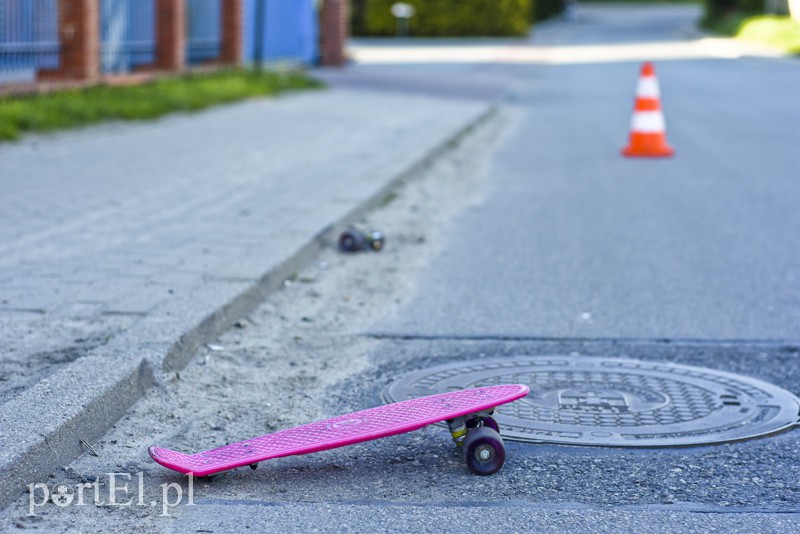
<point>375,240</point>
<point>484,451</point>
<point>352,241</point>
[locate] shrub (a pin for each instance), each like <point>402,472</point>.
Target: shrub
<point>724,15</point>
<point>544,9</point>
<point>445,18</point>
<point>782,32</point>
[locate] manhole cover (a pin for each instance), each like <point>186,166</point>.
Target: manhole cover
<point>616,402</point>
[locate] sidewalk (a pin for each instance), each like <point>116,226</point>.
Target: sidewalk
<point>124,248</point>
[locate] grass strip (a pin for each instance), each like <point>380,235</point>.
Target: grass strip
<point>781,32</point>
<point>778,31</point>
<point>192,92</point>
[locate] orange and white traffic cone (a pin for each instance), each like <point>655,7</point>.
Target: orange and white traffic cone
<point>648,133</point>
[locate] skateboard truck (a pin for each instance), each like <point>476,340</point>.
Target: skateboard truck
<point>460,426</point>
<point>353,240</point>
<point>458,430</point>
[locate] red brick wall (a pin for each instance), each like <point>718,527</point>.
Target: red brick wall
<point>171,34</point>
<point>334,30</point>
<point>232,31</point>
<point>79,30</point>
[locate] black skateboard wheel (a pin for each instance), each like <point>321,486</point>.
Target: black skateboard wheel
<point>351,241</point>
<point>484,451</point>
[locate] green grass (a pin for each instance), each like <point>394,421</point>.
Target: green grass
<point>781,32</point>
<point>193,92</point>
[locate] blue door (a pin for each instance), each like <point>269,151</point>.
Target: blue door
<point>288,30</point>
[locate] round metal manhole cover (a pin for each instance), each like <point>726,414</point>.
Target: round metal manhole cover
<point>616,402</point>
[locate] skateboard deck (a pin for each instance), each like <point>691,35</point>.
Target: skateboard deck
<point>365,425</point>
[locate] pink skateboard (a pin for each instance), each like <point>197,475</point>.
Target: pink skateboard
<point>467,412</point>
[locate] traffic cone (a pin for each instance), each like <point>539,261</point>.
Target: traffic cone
<point>648,133</point>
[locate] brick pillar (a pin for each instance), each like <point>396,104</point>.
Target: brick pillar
<point>333,32</point>
<point>232,32</point>
<point>170,34</point>
<point>79,32</point>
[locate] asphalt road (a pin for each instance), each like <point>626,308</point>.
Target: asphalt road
<point>535,238</point>
<point>574,241</point>
<point>577,250</point>
<point>590,244</point>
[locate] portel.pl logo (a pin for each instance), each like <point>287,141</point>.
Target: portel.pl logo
<point>111,489</point>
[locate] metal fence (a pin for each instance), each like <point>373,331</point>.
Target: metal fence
<point>28,39</point>
<point>203,30</point>
<point>273,30</point>
<point>127,34</point>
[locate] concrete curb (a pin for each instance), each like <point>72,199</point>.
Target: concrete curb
<point>43,427</point>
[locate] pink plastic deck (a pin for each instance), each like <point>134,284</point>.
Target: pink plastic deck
<point>348,429</point>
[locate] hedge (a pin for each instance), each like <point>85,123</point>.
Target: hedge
<point>445,18</point>
<point>719,14</point>
<point>545,9</point>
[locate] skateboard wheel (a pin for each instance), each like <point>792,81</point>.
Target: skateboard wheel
<point>484,451</point>
<point>474,422</point>
<point>375,240</point>
<point>351,241</point>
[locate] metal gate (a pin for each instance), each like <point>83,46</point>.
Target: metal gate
<point>203,30</point>
<point>28,39</point>
<point>277,30</point>
<point>127,34</point>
